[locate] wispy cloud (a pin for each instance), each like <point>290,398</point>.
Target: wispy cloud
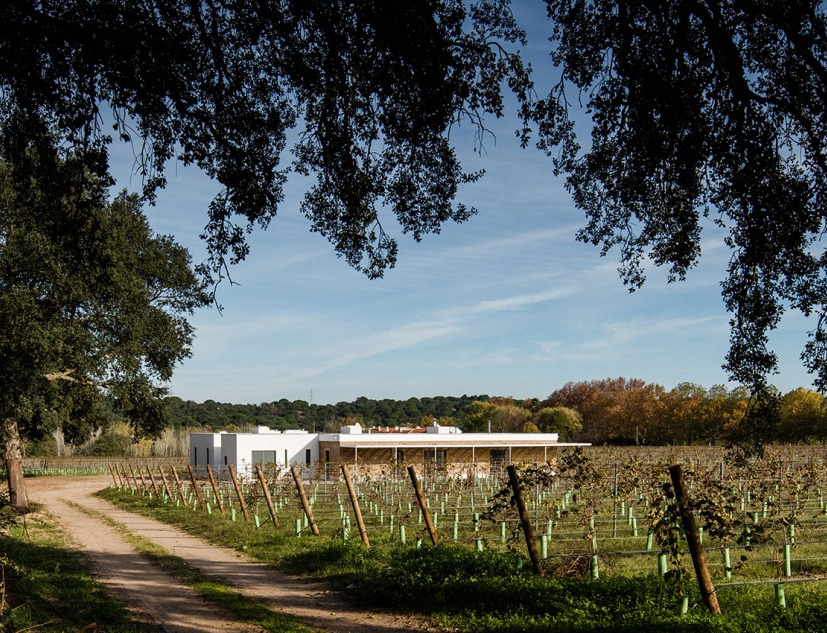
<point>360,348</point>
<point>614,337</point>
<point>517,302</point>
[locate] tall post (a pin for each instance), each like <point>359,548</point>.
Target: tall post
<point>267,497</point>
<point>215,490</point>
<point>238,492</point>
<point>152,480</point>
<point>426,514</point>
<point>356,510</point>
<point>195,486</point>
<point>112,472</point>
<point>178,485</point>
<point>141,475</point>
<point>126,477</point>
<point>525,519</point>
<point>693,540</point>
<point>305,503</point>
<point>166,483</point>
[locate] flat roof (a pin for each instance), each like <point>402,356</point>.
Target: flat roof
<point>436,440</point>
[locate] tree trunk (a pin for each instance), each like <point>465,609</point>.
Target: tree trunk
<point>18,498</point>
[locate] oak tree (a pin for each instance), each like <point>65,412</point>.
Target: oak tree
<point>93,303</point>
<point>367,93</point>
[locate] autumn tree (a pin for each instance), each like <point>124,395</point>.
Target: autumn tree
<point>614,410</point>
<point>802,416</point>
<point>683,412</point>
<point>565,421</point>
<point>506,417</point>
<point>93,304</point>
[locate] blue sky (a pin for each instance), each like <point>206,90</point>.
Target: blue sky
<point>506,304</point>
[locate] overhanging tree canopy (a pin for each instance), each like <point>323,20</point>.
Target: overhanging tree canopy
<point>699,107</point>
<point>371,88</point>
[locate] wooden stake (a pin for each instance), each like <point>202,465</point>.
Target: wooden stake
<point>179,486</point>
<point>122,473</point>
<point>215,490</point>
<point>693,540</point>
<point>267,498</point>
<point>525,520</point>
<point>112,472</point>
<point>305,503</point>
<point>154,485</point>
<point>166,485</point>
<point>238,492</point>
<point>141,475</point>
<point>195,486</point>
<point>426,514</point>
<point>356,510</point>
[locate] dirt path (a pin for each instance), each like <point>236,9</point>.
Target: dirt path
<point>157,597</point>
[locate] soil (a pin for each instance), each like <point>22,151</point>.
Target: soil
<point>158,599</point>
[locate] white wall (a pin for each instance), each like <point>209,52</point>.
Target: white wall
<point>236,449</point>
<point>290,449</point>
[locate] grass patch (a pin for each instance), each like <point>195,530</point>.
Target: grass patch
<point>242,608</point>
<point>50,588</point>
<point>492,591</point>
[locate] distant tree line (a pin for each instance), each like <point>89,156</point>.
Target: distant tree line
<point>631,411</point>
<point>621,411</point>
<point>299,414</point>
<point>616,411</point>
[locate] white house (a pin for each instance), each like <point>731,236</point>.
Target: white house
<point>371,450</point>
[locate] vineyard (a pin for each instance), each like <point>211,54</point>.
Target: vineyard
<point>592,514</point>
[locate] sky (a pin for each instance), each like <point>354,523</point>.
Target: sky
<point>506,304</point>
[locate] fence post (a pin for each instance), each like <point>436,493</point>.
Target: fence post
<point>135,479</point>
<point>305,503</point>
<point>195,486</point>
<point>694,541</point>
<point>215,489</point>
<point>267,498</point>
<point>525,520</point>
<point>426,514</point>
<point>178,485</point>
<point>166,484</point>
<point>238,492</point>
<point>112,470</point>
<point>152,479</point>
<point>132,485</point>
<point>356,510</point>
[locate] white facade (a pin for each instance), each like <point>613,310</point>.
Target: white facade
<point>302,449</point>
<point>244,450</point>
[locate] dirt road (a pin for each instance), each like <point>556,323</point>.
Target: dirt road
<point>158,598</point>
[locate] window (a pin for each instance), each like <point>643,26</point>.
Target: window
<point>195,456</point>
<point>432,455</point>
<point>308,456</point>
<point>499,456</point>
<point>225,460</point>
<point>261,457</point>
<point>327,457</point>
<point>208,455</point>
<point>435,459</point>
